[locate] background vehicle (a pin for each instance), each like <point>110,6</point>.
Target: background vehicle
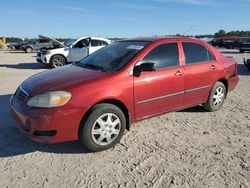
<point>245,45</point>
<point>224,42</point>
<point>72,51</point>
<point>18,45</point>
<point>247,63</point>
<point>44,42</point>
<point>216,42</point>
<point>235,43</point>
<point>127,81</point>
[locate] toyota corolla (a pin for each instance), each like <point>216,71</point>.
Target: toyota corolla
<point>96,99</point>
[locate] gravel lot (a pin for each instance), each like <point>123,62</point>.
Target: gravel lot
<point>190,148</point>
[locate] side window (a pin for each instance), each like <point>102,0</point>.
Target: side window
<point>100,43</point>
<point>94,43</point>
<point>43,41</point>
<point>104,43</point>
<point>79,44</point>
<point>164,55</point>
<point>85,42</point>
<point>196,53</point>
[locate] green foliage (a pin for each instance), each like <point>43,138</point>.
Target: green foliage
<point>13,39</point>
<point>222,33</point>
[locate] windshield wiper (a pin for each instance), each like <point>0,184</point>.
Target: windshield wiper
<point>96,67</point>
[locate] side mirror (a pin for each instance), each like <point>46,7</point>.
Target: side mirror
<point>144,67</point>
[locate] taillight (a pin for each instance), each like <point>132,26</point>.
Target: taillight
<point>236,69</point>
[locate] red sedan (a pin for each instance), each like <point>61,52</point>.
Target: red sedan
<point>96,99</point>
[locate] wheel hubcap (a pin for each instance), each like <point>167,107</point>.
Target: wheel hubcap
<point>106,129</point>
<point>218,96</point>
<point>58,61</point>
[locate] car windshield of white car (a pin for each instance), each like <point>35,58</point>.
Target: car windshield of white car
<point>114,56</point>
<point>69,42</point>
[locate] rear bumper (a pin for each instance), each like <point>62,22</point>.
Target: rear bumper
<point>232,82</point>
<point>47,125</point>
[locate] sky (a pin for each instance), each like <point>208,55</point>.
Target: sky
<point>121,18</point>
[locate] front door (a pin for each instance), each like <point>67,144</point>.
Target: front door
<point>162,90</point>
<point>79,50</point>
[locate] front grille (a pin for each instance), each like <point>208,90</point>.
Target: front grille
<point>21,94</point>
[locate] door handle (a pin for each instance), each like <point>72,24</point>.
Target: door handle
<point>178,73</point>
<point>212,67</point>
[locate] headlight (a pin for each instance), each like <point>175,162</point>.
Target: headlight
<point>50,99</point>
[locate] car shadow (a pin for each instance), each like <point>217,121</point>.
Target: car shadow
<point>193,109</point>
<point>13,142</point>
<point>242,70</point>
<point>31,65</point>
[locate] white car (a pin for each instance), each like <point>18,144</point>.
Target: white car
<point>71,51</point>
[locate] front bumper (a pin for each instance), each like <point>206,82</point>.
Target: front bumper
<point>42,59</point>
<point>47,125</point>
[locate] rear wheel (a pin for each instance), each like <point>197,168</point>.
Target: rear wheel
<point>103,128</point>
<point>29,50</point>
<point>57,61</point>
<point>216,97</point>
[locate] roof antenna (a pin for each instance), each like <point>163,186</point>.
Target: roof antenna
<point>188,29</point>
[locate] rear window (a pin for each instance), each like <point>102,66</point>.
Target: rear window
<point>196,53</point>
<point>95,43</point>
<point>103,43</point>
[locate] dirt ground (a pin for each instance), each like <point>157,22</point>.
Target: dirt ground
<point>190,148</point>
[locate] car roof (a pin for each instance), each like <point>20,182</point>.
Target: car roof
<point>97,38</point>
<point>156,39</point>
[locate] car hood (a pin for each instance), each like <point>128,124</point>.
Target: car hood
<point>56,50</point>
<point>61,78</point>
<point>51,39</point>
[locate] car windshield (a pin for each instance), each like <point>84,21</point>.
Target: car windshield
<point>69,42</point>
<point>114,56</point>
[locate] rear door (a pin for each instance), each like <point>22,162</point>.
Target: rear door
<point>95,45</point>
<point>162,90</point>
<point>200,70</point>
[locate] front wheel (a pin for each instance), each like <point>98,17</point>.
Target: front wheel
<point>216,97</point>
<point>103,128</point>
<point>57,61</point>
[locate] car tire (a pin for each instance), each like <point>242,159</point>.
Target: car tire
<point>57,61</point>
<point>28,50</point>
<point>103,128</point>
<point>216,97</point>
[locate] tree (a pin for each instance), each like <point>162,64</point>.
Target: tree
<point>220,33</point>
